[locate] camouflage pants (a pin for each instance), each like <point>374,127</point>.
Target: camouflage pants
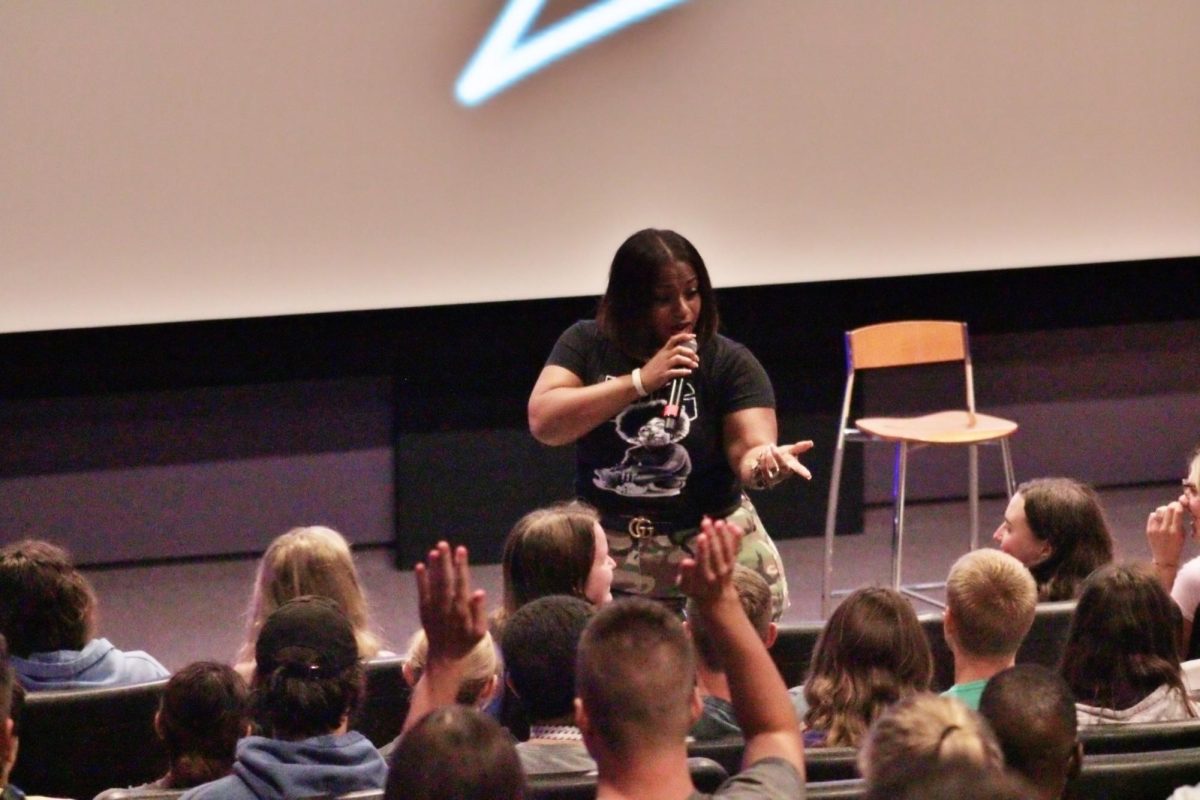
<point>648,564</point>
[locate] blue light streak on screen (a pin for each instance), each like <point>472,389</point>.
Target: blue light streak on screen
<point>507,56</point>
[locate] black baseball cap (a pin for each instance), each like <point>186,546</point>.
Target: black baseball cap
<point>309,633</point>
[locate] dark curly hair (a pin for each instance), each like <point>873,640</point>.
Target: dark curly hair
<point>45,603</point>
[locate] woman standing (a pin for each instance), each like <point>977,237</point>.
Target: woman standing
<point>670,419</point>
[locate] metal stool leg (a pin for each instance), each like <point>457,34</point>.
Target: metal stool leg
<point>973,493</point>
<point>835,482</point>
<point>899,480</point>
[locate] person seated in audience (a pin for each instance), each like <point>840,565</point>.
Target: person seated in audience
<point>539,644</point>
<point>637,699</point>
<point>482,669</point>
<point>990,602</point>
<point>1032,712</point>
<point>1166,531</point>
<point>560,549</point>
<point>205,710</point>
<point>924,729</point>
<point>308,561</point>
<point>455,753</point>
<point>718,719</point>
<point>48,614</point>
<point>1121,658</point>
<point>871,653</point>
<point>1056,528</point>
<point>10,701</point>
<point>308,679</point>
<point>953,780</point>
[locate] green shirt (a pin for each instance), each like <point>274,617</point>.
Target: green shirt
<point>969,693</point>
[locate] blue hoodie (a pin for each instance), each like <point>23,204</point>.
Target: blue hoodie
<point>97,665</point>
<point>274,769</point>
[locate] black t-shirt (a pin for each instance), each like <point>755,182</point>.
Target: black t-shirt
<point>629,464</point>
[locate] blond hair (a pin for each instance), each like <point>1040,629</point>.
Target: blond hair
<point>926,728</point>
<point>992,597</point>
<point>313,560</point>
<point>480,666</point>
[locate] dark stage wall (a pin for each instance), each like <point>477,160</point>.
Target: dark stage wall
<point>197,439</point>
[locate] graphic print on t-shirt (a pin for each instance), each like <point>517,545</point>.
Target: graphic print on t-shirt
<point>656,464</point>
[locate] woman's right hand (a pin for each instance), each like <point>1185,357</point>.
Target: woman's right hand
<point>676,359</point>
<point>1165,535</point>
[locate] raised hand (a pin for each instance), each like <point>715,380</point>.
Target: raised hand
<point>709,574</point>
<point>451,612</point>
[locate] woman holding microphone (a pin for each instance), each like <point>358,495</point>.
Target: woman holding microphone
<point>670,419</point>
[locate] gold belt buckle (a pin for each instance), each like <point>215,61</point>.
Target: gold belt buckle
<point>641,528</point>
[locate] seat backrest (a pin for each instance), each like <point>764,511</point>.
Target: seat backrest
<point>1137,776</point>
<point>707,775</point>
<point>1140,737</point>
<point>793,649</point>
<point>1042,645</point>
<point>836,790</point>
<point>140,794</point>
<point>380,715</point>
<point>906,343</point>
<point>78,743</point>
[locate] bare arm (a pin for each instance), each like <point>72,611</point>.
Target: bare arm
<point>562,410</point>
<point>453,617</point>
<point>760,699</point>
<point>750,441</point>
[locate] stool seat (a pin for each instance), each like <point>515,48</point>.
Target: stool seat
<point>944,427</point>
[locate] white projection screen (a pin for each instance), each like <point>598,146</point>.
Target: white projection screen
<point>171,160</point>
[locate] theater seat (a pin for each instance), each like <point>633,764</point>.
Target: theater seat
<point>1140,738</point>
<point>707,775</point>
<point>1137,776</point>
<point>836,790</point>
<point>380,715</point>
<point>80,742</point>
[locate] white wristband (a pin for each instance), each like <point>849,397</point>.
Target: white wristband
<point>638,387</point>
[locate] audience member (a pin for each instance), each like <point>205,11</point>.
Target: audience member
<point>637,697</point>
<point>560,549</point>
<point>481,677</point>
<point>1032,712</point>
<point>953,780</point>
<point>455,753</point>
<point>10,700</point>
<point>48,614</point>
<point>990,602</point>
<point>205,709</point>
<point>924,728</point>
<point>1166,533</point>
<point>539,644</point>
<point>307,561</point>
<point>1056,528</point>
<point>307,682</point>
<point>718,719</point>
<point>871,653</point>
<point>1121,659</point>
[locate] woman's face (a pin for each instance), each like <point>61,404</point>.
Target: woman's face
<point>675,307</point>
<point>1016,538</point>
<point>1190,498</point>
<point>598,588</point>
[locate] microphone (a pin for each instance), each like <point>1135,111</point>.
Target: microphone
<point>671,412</point>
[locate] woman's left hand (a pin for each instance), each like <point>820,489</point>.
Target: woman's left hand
<point>775,463</point>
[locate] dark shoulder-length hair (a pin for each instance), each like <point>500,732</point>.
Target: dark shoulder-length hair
<point>871,653</point>
<point>1068,515</point>
<point>549,551</point>
<point>1122,644</point>
<point>624,311</point>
